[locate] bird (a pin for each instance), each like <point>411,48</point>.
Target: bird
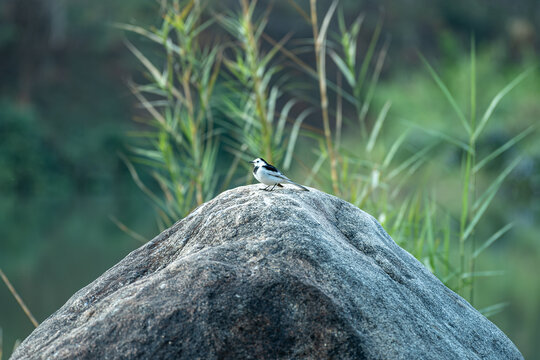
<point>270,176</point>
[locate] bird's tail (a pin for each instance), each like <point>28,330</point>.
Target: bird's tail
<point>295,184</point>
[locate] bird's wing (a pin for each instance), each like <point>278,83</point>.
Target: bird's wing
<point>281,176</point>
<point>271,168</point>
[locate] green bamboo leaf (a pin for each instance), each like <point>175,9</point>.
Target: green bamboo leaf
<point>497,99</point>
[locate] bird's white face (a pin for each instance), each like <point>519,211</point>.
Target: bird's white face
<point>258,162</point>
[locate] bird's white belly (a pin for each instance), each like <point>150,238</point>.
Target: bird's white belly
<point>267,179</point>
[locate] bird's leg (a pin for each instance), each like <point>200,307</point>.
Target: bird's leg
<point>265,189</point>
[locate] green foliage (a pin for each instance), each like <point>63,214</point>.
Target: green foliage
<point>262,111</point>
<point>181,145</point>
<point>252,103</point>
<point>473,207</point>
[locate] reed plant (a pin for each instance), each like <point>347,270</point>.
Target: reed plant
<point>179,143</point>
<point>209,101</point>
<point>474,200</point>
<point>235,100</point>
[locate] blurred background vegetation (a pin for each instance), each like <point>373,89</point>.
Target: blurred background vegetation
<point>95,95</point>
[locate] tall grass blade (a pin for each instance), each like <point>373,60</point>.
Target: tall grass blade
<point>492,239</point>
<point>447,94</point>
<point>407,163</point>
<point>142,31</point>
<point>282,120</point>
<point>316,167</point>
<point>373,83</point>
<point>498,98</point>
<point>140,184</point>
<point>488,273</point>
<point>369,55</point>
<point>394,148</point>
<point>18,299</point>
<point>443,136</point>
<point>493,309</point>
<point>507,145</point>
<point>299,10</point>
<point>497,182</point>
<point>16,345</point>
<point>349,76</point>
<point>377,126</point>
<point>294,136</point>
<point>473,84</point>
<point>324,26</point>
<point>160,79</point>
<point>483,202</point>
<point>131,233</point>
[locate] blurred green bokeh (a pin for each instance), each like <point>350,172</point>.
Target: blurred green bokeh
<point>65,109</point>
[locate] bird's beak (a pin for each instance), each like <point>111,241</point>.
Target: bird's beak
<point>252,161</point>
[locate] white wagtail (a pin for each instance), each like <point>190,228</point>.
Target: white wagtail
<point>270,176</point>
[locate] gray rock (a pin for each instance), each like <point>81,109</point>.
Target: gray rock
<point>265,275</point>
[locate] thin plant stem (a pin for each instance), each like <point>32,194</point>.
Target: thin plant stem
<point>324,97</point>
<point>469,181</point>
<point>464,219</point>
<point>19,299</point>
<point>472,144</point>
<point>251,46</point>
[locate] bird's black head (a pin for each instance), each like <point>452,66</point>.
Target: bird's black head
<point>259,162</point>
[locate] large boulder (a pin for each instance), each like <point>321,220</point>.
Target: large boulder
<point>265,275</point>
